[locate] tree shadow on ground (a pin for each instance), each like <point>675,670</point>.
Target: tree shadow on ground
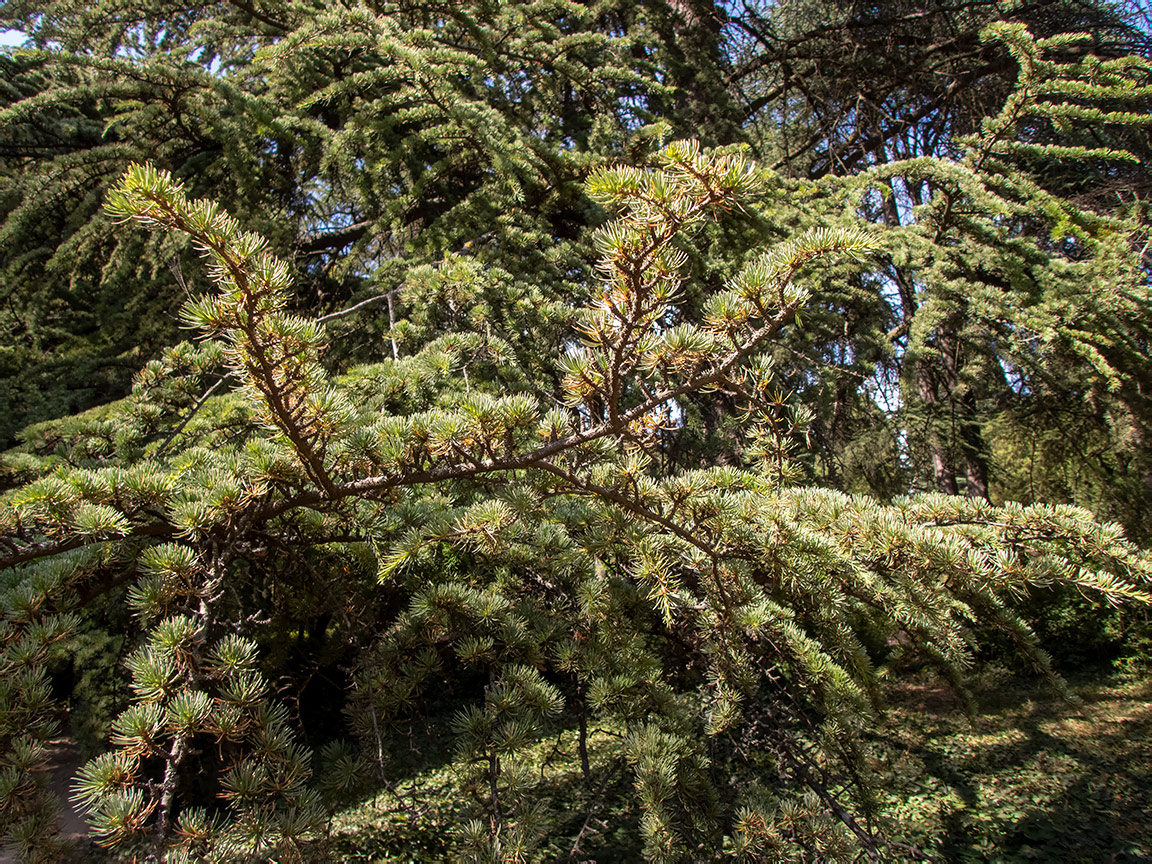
<point>1032,777</point>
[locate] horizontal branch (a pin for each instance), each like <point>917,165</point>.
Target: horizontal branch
<point>461,470</point>
<point>47,548</point>
<point>323,319</point>
<point>333,240</point>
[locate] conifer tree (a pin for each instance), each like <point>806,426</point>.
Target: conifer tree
<point>474,471</point>
<point>360,142</point>
<point>713,615</point>
<point>951,379</point>
<point>277,111</point>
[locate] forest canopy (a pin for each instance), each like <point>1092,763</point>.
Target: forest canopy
<point>395,386</point>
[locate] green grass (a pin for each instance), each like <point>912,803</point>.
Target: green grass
<point>1030,778</point>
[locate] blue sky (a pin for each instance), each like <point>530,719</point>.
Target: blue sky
<point>10,37</point>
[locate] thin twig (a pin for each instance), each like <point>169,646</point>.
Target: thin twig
<point>332,316</point>
<point>187,418</point>
<point>608,775</point>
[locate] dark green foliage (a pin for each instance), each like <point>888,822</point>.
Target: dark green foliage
<point>359,142</point>
<point>98,685</point>
<point>533,556</point>
<point>454,499</point>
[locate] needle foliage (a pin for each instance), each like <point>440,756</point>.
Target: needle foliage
<point>535,554</point>
<point>503,419</point>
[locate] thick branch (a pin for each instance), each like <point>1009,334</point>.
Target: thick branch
<point>333,240</point>
<point>537,458</point>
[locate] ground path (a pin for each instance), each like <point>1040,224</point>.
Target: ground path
<point>65,761</point>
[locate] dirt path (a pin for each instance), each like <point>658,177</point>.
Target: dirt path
<point>65,762</point>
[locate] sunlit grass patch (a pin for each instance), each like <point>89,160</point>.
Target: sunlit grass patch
<point>1031,778</point>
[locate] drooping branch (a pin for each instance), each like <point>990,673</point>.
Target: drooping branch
<point>271,348</point>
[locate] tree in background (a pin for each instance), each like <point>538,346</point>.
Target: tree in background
<point>476,124</point>
<point>362,142</point>
<point>882,90</point>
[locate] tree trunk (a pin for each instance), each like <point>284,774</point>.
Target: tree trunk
<point>928,391</point>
